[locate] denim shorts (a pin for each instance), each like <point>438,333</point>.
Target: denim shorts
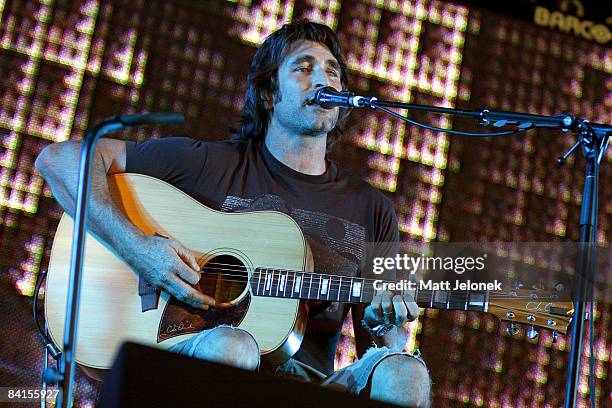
<point>189,346</point>
<point>353,378</point>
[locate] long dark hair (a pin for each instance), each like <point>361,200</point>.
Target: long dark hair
<point>263,77</point>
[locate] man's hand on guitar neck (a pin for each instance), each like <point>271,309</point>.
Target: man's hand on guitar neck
<point>389,308</point>
<point>168,265</point>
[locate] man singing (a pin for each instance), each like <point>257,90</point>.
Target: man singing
<point>276,160</point>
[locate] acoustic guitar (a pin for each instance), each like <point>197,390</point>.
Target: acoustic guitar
<point>257,266</point>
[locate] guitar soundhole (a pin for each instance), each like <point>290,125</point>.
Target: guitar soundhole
<point>224,277</point>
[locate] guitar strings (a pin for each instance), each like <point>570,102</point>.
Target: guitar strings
<point>332,284</point>
<point>238,268</point>
<point>243,270</point>
<point>457,295</point>
<point>454,293</point>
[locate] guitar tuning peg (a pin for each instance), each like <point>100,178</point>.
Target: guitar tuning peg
<point>532,333</point>
<point>559,287</point>
<point>513,329</point>
<point>554,336</point>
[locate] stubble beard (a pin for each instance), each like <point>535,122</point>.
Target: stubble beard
<point>322,126</point>
<point>306,123</point>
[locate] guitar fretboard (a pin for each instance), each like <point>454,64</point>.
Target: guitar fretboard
<point>335,288</point>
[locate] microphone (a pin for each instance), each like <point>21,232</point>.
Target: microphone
<point>328,98</point>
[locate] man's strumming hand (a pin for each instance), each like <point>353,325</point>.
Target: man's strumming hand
<point>167,264</point>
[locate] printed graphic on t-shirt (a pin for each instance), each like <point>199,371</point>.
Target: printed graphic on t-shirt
<point>338,245</point>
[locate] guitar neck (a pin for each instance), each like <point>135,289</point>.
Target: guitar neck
<point>335,288</point>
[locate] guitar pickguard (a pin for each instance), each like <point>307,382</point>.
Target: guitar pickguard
<point>179,318</point>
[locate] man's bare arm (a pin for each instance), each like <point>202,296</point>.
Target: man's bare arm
<point>59,165</point>
<point>165,263</point>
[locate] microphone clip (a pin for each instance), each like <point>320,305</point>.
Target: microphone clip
<point>328,98</point>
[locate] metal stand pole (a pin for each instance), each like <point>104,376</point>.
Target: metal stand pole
<point>65,375</point>
<point>594,140</point>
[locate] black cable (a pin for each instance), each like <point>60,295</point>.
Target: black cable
<point>39,281</point>
<point>592,354</point>
<point>591,279</point>
<point>41,332</point>
<point>373,104</point>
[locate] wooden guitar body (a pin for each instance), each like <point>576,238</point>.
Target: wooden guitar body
<point>257,266</point>
<point>110,306</point>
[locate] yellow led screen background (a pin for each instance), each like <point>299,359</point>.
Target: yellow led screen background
<point>66,64</point>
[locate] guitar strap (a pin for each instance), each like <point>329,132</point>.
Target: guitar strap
<point>149,295</point>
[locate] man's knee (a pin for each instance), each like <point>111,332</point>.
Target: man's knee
<point>229,346</point>
<point>401,380</point>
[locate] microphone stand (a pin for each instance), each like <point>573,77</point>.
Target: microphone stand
<point>594,138</point>
<point>65,373</point>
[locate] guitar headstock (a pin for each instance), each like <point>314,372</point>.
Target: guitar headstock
<point>533,307</point>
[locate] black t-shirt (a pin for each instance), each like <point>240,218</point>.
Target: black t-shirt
<point>338,212</point>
